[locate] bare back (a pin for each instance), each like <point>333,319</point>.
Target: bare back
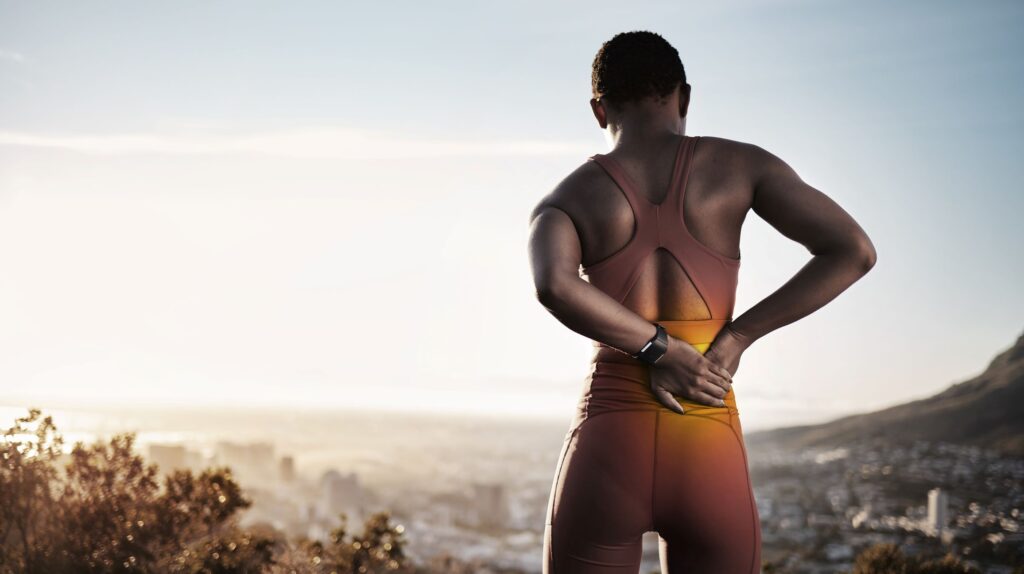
<point>716,195</point>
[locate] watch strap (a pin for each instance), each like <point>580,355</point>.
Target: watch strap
<point>655,348</point>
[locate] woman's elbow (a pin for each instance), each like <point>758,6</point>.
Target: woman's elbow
<point>866,253</point>
<point>551,291</point>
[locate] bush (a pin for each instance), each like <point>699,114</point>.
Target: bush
<point>106,511</point>
<point>888,559</point>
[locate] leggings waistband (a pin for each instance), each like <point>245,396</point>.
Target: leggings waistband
<point>609,364</point>
<point>613,386</point>
<point>699,334</point>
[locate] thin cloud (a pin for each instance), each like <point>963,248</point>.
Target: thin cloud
<point>325,142</point>
<point>12,56</point>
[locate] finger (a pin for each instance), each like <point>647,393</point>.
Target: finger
<point>709,400</point>
<point>711,363</point>
<point>711,389</point>
<point>666,398</point>
<point>721,371</point>
<point>718,381</point>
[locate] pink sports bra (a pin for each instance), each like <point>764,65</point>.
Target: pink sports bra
<point>662,225</point>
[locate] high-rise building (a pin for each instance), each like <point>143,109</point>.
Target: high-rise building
<point>938,511</point>
<point>341,493</point>
<point>491,504</point>
<point>251,460</point>
<point>287,468</point>
<point>168,457</point>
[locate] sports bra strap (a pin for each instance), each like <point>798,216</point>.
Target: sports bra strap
<point>621,179</point>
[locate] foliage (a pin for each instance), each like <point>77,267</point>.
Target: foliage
<point>889,559</point>
<point>379,549</point>
<point>28,453</point>
<point>105,510</point>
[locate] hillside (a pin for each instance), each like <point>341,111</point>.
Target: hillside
<point>987,410</point>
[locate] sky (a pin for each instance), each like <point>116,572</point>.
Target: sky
<point>325,205</point>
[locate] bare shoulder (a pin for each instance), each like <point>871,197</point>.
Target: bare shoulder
<point>757,166</point>
<point>726,144</point>
<point>739,154</point>
<point>569,194</point>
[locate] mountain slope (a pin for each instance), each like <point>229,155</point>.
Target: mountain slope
<point>987,411</point>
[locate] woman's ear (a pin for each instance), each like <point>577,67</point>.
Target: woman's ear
<point>599,112</point>
<point>684,99</point>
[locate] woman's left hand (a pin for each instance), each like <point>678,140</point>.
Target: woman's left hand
<point>727,348</point>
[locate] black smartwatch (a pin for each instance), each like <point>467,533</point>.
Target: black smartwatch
<point>655,348</point>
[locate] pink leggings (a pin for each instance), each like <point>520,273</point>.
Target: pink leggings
<point>629,465</point>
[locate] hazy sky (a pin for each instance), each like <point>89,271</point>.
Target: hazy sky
<point>325,204</point>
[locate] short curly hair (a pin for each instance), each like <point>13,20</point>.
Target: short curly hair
<point>636,65</point>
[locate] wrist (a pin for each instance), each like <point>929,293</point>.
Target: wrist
<point>672,351</point>
<point>737,333</point>
<point>655,348</point>
<point>679,351</point>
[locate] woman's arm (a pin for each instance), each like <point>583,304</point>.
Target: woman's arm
<point>842,252</point>
<point>555,257</point>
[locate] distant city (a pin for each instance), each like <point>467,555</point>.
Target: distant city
<point>495,520</point>
<point>818,508</point>
<point>477,488</point>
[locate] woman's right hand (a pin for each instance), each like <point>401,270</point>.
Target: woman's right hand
<point>684,371</point>
<point>727,348</point>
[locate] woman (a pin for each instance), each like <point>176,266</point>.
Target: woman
<point>654,225</point>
